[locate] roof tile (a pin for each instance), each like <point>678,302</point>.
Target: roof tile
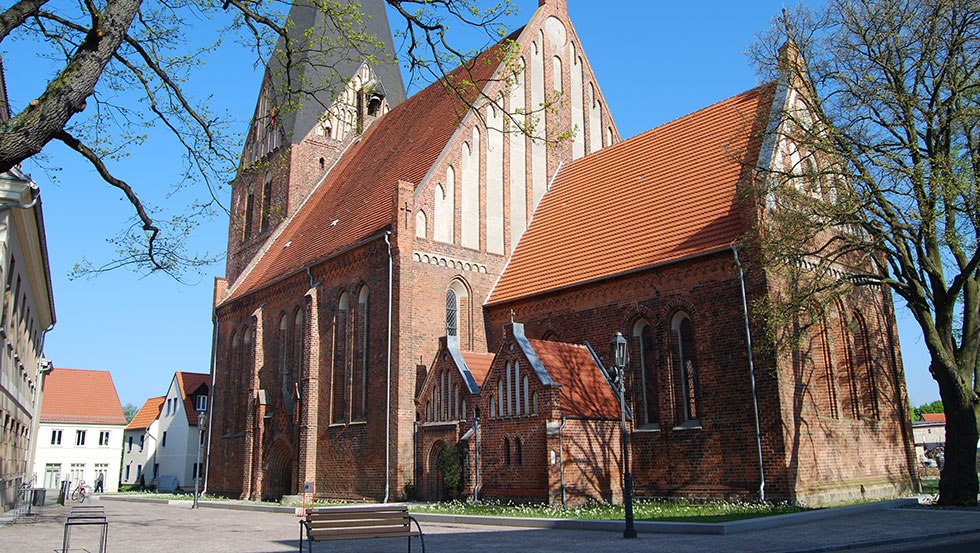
<point>584,390</point>
<point>354,202</point>
<point>189,383</point>
<point>149,412</point>
<point>81,396</point>
<point>478,364</point>
<point>663,195</point>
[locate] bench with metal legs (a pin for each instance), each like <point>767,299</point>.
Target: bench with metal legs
<point>359,522</point>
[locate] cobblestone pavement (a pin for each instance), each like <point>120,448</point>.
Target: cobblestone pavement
<point>153,527</point>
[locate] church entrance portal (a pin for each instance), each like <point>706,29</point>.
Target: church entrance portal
<point>278,478</point>
<point>435,486</point>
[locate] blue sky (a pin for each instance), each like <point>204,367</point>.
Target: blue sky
<point>655,61</point>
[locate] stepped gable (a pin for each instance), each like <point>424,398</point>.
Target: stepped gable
<point>81,396</point>
<point>585,392</point>
<point>354,201</point>
<point>663,195</point>
<point>149,412</point>
<point>310,32</point>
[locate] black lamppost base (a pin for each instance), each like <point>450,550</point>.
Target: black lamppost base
<point>630,531</point>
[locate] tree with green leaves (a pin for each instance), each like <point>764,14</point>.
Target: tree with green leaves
<point>121,74</point>
<point>883,189</point>
<point>129,411</point>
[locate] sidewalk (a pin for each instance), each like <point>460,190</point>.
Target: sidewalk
<point>159,527</point>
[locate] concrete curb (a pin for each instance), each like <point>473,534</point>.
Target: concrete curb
<point>695,528</point>
<point>708,528</point>
<point>240,506</point>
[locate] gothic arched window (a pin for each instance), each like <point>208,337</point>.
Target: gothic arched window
<point>452,313</point>
<point>686,370</point>
<point>359,383</point>
<point>646,371</point>
<point>341,347</point>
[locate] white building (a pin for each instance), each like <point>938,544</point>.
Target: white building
<point>81,429</point>
<point>165,437</point>
<point>26,315</point>
<point>140,443</point>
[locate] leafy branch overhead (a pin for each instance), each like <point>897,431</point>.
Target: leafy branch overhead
<point>124,70</point>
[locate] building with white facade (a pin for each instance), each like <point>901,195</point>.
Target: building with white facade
<point>26,315</point>
<point>81,430</point>
<point>162,441</point>
<point>140,443</point>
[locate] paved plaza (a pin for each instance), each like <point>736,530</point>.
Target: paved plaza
<point>157,527</point>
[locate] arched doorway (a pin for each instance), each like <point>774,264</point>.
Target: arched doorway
<point>435,486</point>
<point>278,478</point>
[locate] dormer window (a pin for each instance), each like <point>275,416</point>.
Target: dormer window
<point>201,403</point>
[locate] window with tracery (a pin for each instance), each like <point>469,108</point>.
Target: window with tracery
<point>686,369</point>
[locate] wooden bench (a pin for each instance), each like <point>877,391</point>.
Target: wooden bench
<point>359,522</point>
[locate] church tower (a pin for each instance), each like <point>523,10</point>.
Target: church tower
<point>321,90</point>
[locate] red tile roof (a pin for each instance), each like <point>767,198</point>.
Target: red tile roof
<point>478,364</point>
<point>188,384</point>
<point>355,200</point>
<point>149,412</point>
<point>661,196</point>
<point>80,396</point>
<point>584,390</point>
<point>934,417</point>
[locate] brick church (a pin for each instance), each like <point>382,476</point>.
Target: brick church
<point>405,275</point>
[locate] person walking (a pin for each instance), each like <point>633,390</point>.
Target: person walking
<point>100,482</point>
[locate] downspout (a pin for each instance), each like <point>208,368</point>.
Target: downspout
<point>476,453</point>
<point>41,370</point>
<point>755,399</point>
<point>561,462</point>
<point>18,205</point>
<point>388,378</point>
<point>214,362</point>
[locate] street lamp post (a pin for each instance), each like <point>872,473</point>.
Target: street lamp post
<point>618,345</point>
<point>201,423</point>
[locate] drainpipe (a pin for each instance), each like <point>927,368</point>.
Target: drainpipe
<point>561,462</point>
<point>755,399</point>
<point>476,453</point>
<point>43,368</point>
<point>18,205</point>
<point>210,421</point>
<point>388,379</point>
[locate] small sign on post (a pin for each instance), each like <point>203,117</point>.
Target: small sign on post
<point>308,491</point>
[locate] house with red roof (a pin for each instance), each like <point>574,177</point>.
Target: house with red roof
<point>421,228</point>
<point>929,434</point>
<point>81,430</point>
<point>140,443</point>
<point>165,438</point>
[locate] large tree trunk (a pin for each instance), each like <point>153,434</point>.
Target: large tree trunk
<point>28,131</point>
<point>958,483</point>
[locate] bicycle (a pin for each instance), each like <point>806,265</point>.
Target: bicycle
<point>80,492</point>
